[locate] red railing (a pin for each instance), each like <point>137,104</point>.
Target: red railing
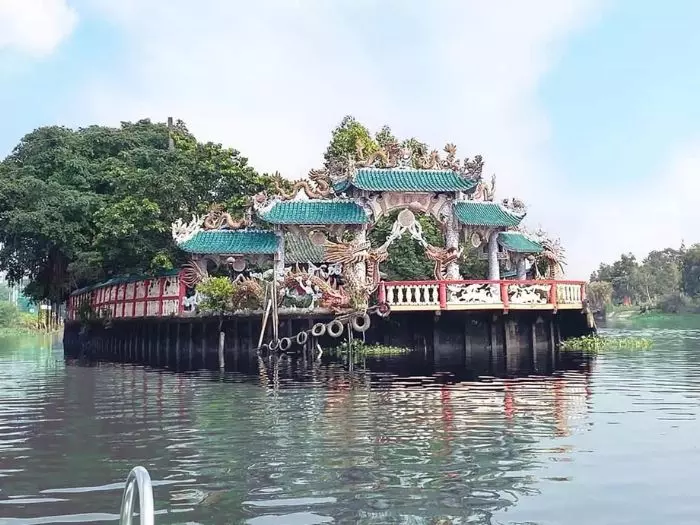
<point>150,297</point>
<point>462,294</point>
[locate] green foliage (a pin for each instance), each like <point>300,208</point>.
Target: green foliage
<point>78,206</point>
<point>668,279</point>
<point>678,303</point>
<point>345,139</point>
<point>407,260</point>
<point>599,294</point>
<point>9,315</point>
<point>217,295</point>
<point>594,343</point>
<point>691,271</point>
<point>374,350</point>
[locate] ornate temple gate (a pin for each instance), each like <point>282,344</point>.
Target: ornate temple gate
<point>307,252</point>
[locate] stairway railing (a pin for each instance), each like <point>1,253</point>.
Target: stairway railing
<point>138,480</point>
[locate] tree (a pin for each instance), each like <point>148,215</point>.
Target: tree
<point>407,259</point>
<point>82,205</point>
<point>660,273</point>
<point>691,271</point>
<point>599,294</point>
<point>347,137</point>
<point>625,277</point>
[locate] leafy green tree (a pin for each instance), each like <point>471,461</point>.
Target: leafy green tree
<point>660,273</point>
<point>691,271</point>
<point>599,294</point>
<point>407,259</point>
<point>82,205</point>
<point>625,277</point>
<point>345,139</point>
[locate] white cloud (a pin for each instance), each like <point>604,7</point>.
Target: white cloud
<point>272,78</point>
<point>35,27</point>
<point>658,214</point>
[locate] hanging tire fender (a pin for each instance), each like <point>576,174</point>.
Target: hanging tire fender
<point>285,344</point>
<point>361,322</point>
<point>302,337</point>
<point>335,328</point>
<point>318,330</point>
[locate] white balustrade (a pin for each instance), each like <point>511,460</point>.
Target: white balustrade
<point>568,293</point>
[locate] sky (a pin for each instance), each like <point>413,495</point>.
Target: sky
<point>585,109</point>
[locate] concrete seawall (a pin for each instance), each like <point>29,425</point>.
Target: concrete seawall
<point>451,339</point>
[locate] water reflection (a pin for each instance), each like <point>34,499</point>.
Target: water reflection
<point>311,442</point>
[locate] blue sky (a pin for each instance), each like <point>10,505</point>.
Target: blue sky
<point>586,109</point>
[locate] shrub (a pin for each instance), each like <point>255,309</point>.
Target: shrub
<point>217,293</point>
<point>678,303</point>
<point>9,315</point>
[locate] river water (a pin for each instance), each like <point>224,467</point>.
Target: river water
<point>613,439</point>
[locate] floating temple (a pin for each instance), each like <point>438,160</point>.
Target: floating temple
<point>304,256</point>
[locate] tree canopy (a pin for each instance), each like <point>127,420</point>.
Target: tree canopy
<point>81,205</point>
<point>665,277</point>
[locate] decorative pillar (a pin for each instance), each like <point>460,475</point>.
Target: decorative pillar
<point>361,267</point>
<point>494,271</point>
<point>279,256</point>
<point>452,241</point>
<point>521,271</point>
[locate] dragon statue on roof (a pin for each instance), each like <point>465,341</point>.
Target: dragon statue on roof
<point>217,219</point>
<point>317,186</point>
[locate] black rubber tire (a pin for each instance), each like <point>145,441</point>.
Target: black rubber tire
<point>274,345</point>
<point>285,344</point>
<point>318,330</point>
<point>335,328</point>
<point>361,322</point>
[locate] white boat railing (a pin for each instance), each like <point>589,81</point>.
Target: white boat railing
<point>138,480</point>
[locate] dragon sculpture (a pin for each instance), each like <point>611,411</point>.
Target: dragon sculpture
<point>217,219</point>
<point>248,293</point>
<point>358,288</point>
<point>442,258</point>
<point>391,156</point>
<point>307,284</point>
<point>192,274</point>
<point>318,186</point>
<point>485,191</point>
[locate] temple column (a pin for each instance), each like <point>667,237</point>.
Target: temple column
<point>520,269</point>
<point>452,228</point>
<point>361,267</point>
<point>279,256</point>
<point>494,270</point>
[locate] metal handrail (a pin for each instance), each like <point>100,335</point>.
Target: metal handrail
<point>138,479</point>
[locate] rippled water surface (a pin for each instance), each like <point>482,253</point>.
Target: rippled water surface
<point>614,439</point>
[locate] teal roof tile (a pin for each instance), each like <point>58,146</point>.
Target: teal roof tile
<point>298,249</point>
<point>232,242</point>
<point>518,243</point>
<point>374,179</point>
<point>479,213</point>
<point>315,212</point>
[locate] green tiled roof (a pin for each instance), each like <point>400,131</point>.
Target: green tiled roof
<point>232,242</point>
<point>479,213</point>
<point>298,248</point>
<point>315,212</point>
<point>373,179</point>
<point>517,242</point>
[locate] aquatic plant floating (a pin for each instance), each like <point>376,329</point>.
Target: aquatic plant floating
<point>596,343</point>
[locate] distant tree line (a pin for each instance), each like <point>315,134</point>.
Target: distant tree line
<point>667,279</point>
